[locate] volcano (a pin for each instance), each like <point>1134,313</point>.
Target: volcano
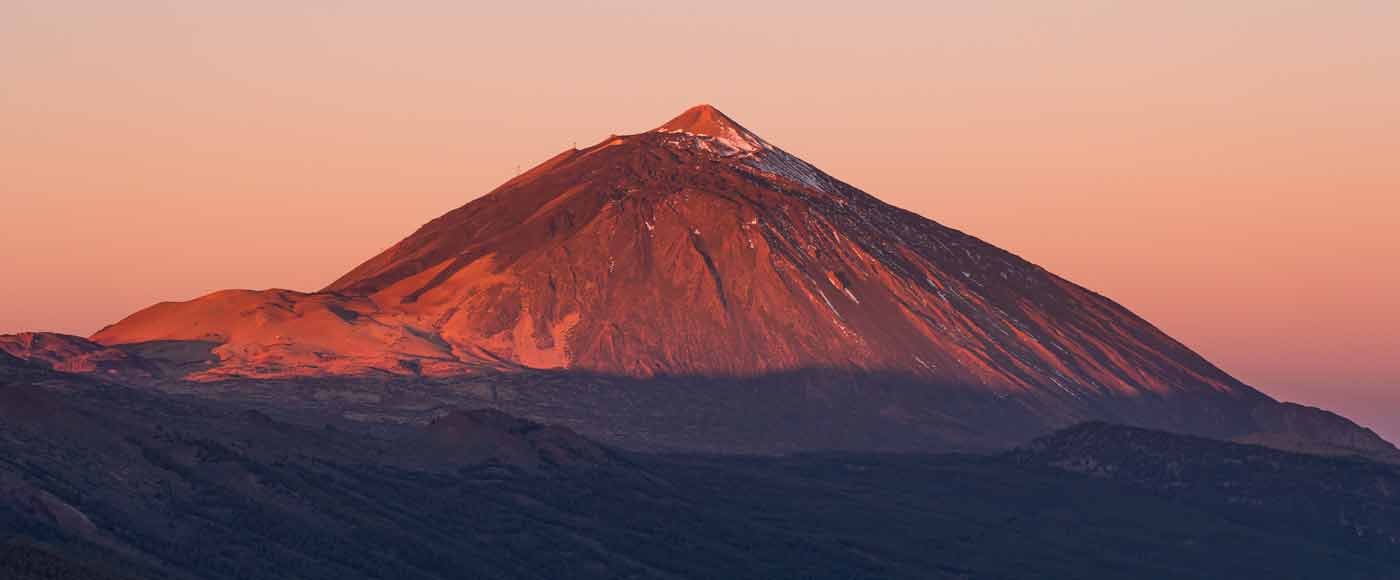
<point>696,248</point>
<point>700,251</point>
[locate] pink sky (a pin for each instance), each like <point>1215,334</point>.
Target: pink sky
<point>1228,172</point>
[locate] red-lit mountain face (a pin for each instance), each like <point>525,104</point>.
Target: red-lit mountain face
<point>696,248</point>
<point>700,250</point>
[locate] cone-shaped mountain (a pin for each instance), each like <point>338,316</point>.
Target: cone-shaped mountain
<point>699,249</point>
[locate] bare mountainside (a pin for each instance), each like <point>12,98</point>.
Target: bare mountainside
<point>700,252</point>
<point>696,248</point>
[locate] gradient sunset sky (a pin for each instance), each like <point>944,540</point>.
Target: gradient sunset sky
<point>1228,170</point>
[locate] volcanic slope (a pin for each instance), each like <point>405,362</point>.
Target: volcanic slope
<point>698,249</point>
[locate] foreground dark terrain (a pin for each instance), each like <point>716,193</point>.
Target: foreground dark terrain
<point>102,481</point>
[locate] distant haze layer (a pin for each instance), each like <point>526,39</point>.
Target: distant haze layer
<point>1226,171</point>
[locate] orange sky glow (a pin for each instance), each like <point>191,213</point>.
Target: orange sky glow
<point>1229,171</point>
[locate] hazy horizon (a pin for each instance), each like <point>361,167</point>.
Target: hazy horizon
<point>1227,172</point>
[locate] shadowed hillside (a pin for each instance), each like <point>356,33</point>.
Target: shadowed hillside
<point>95,476</point>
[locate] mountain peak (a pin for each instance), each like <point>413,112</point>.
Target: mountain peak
<point>706,120</point>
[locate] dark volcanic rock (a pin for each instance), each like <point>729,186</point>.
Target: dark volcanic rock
<point>1352,497</point>
<point>1294,427</point>
<point>492,438</point>
<point>96,478</point>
